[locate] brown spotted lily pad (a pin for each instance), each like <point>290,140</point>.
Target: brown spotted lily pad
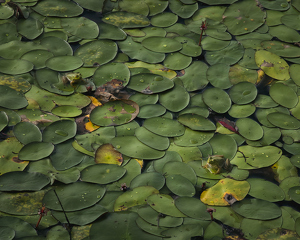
<point>225,192</point>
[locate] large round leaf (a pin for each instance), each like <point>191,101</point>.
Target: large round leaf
<point>217,99</point>
<point>134,197</point>
<point>97,52</point>
<point>11,99</point>
<point>74,196</point>
<point>283,95</point>
<point>27,132</point>
<point>23,181</point>
<point>257,209</point>
<point>102,173</point>
<point>64,63</point>
<point>35,151</point>
<point>132,147</point>
<point>272,65</point>
<point>15,66</point>
<point>151,139</point>
<point>59,131</point>
<point>114,113</point>
<point>164,127</point>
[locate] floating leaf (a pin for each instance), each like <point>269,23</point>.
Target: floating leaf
<point>35,151</point>
<point>225,192</point>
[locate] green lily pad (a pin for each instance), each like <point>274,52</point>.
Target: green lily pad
<point>149,83</point>
<point>217,75</point>
<point>272,65</point>
<point>196,122</point>
<point>164,204</point>
<point>239,74</point>
<point>294,193</point>
<point>26,181</point>
<point>72,196</point>
<point>228,55</point>
<point>181,9</point>
<point>186,153</point>
<point>102,173</point>
<point>285,33</point>
<point>126,19</point>
<point>58,8</point>
<point>249,157</point>
<point>134,197</point>
<point>38,57</point>
<point>97,52</point>
<point>257,209</point>
<point>35,151</point>
<point>6,12</point>
<point>164,19</point>
<point>283,121</point>
<point>192,207</point>
<point>59,131</point>
<point>152,216</point>
<point>175,99</point>
<point>7,233</point>
<point>281,49</point>
<point>81,217</point>
<point>192,138</point>
<point>241,111</point>
<point>64,63</point>
<point>111,32</point>
<point>111,71</point>
<point>194,77</point>
<point>136,51</point>
<point>217,99</point>
<point>127,227</point>
<point>57,46</point>
<point>243,93</point>
<point>15,66</point>
<point>45,167</point>
<point>177,61</point>
<point>265,190</point>
<point>80,27</point>
<point>162,45</point>
<point>151,139</point>
<point>26,132</point>
<point>22,228</point>
<point>180,185</point>
<point>164,127</point>
<point>66,111</point>
<point>30,28</point>
<point>153,179</point>
<point>62,161</point>
<point>180,168</point>
<point>151,110</point>
<point>243,17</point>
<point>114,113</point>
<point>283,95</point>
<point>132,147</point>
<point>249,129</point>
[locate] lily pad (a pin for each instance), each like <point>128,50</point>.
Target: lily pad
<point>249,129</point>
<point>114,113</point>
<point>59,131</point>
<point>27,132</point>
<point>164,127</point>
<point>97,52</point>
<point>225,192</point>
<point>272,65</point>
<point>35,151</point>
<point>64,63</point>
<point>132,147</point>
<point>72,196</point>
<point>126,19</point>
<point>149,83</point>
<point>161,44</point>
<point>134,197</point>
<point>283,120</point>
<point>151,139</point>
<point>180,185</point>
<point>26,181</point>
<point>102,173</point>
<point>257,209</point>
<point>217,99</point>
<point>15,66</point>
<point>283,95</point>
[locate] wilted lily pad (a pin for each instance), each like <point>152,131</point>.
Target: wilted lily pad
<point>126,19</point>
<point>225,192</point>
<point>272,65</point>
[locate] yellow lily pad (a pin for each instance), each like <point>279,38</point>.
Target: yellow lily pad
<point>225,192</point>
